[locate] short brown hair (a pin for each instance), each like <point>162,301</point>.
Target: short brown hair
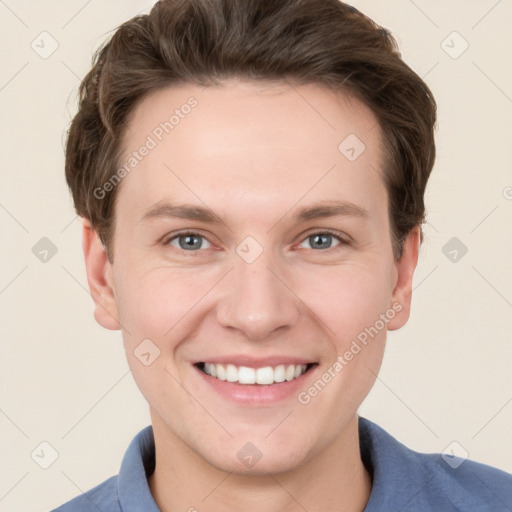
<point>322,42</point>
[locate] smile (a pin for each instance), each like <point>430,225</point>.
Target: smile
<point>245,375</point>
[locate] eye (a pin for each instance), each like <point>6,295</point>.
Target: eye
<point>188,242</point>
<point>323,240</point>
<point>193,242</point>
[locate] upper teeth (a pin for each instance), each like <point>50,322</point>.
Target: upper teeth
<point>246,375</point>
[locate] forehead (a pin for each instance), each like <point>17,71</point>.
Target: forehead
<point>261,142</point>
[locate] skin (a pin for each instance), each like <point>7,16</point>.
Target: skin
<point>253,155</point>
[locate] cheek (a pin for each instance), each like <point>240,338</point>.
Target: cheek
<point>348,299</point>
<point>152,302</point>
<point>153,307</point>
<point>350,304</point>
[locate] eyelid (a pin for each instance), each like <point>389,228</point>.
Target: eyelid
<point>343,238</point>
<point>320,231</point>
<point>167,239</point>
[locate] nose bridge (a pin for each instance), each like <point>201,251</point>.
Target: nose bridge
<point>256,301</point>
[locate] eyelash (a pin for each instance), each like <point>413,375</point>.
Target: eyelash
<point>342,241</point>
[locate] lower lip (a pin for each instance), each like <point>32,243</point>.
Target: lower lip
<point>257,393</point>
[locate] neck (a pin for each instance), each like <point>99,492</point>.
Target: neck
<point>335,479</point>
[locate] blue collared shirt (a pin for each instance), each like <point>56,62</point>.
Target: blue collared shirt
<point>403,480</point>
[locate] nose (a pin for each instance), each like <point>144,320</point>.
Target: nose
<point>257,301</point>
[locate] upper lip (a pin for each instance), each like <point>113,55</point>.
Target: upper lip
<point>256,362</point>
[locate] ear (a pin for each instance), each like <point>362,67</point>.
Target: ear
<point>100,278</point>
<point>405,266</point>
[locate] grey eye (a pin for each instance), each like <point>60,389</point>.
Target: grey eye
<point>322,240</point>
<point>189,242</point>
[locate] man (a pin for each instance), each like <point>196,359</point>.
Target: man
<point>251,178</point>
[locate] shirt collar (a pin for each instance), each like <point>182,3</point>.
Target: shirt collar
<point>138,463</point>
<point>387,460</point>
<point>398,473</point>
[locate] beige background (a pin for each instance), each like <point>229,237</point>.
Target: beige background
<point>446,376</point>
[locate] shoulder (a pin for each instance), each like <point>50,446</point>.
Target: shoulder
<point>127,489</point>
<point>467,484</point>
<point>429,481</point>
<point>102,497</point>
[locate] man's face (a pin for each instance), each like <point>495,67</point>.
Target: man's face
<point>258,284</point>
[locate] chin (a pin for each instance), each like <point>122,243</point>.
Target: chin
<point>261,468</point>
<point>249,460</point>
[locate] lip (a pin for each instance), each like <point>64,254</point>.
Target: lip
<point>256,394</point>
<point>256,362</point>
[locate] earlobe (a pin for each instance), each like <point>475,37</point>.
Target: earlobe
<point>99,277</point>
<point>402,293</point>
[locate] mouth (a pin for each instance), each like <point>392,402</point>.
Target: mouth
<point>263,376</point>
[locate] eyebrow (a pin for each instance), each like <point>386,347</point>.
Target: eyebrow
<point>182,212</point>
<point>331,209</point>
<point>305,213</point>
